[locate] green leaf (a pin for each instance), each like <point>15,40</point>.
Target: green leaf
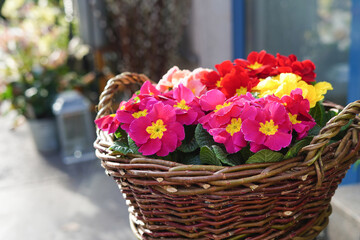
<point>344,128</point>
<point>318,113</point>
<point>293,151</point>
<point>203,137</point>
<point>236,158</point>
<point>191,159</point>
<point>188,146</point>
<point>246,153</point>
<point>207,156</point>
<point>328,115</point>
<point>357,163</point>
<point>7,94</point>
<point>132,146</point>
<point>120,147</point>
<point>221,155</point>
<point>120,133</point>
<point>265,155</point>
<point>314,131</point>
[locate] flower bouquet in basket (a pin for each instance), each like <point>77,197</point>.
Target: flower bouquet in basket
<point>246,151</point>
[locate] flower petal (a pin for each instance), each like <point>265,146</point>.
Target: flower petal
<point>138,130</point>
<point>169,144</point>
<point>150,147</point>
<point>278,141</point>
<point>250,128</point>
<point>211,99</point>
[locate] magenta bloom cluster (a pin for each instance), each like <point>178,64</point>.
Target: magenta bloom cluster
<point>156,120</point>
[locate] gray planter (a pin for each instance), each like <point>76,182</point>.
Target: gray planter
<point>44,133</point>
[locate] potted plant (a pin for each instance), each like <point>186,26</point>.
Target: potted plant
<point>34,50</point>
<point>246,151</point>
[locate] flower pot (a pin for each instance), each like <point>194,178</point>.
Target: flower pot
<point>44,133</point>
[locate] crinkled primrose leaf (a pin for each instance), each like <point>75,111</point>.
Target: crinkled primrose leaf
<point>265,155</point>
<point>187,147</point>
<point>221,155</point>
<point>318,113</point>
<point>132,146</point>
<point>121,147</point>
<point>203,137</point>
<point>293,151</point>
<point>207,156</point>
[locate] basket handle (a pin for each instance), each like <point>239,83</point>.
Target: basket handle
<point>330,130</point>
<point>115,84</point>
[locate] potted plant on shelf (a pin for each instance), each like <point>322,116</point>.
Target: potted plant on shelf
<point>246,151</point>
<point>34,50</point>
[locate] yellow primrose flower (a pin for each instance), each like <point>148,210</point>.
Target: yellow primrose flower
<point>279,85</point>
<point>284,83</point>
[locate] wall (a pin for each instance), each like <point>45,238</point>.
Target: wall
<point>211,31</point>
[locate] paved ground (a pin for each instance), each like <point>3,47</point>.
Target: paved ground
<point>43,199</point>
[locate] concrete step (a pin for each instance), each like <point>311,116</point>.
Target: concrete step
<point>345,220</point>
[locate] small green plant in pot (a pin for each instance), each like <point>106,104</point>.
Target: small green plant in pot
<point>35,49</point>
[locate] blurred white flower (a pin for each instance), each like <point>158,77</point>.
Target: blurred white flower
<point>334,26</point>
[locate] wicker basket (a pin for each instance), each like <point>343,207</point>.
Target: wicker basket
<point>285,200</point>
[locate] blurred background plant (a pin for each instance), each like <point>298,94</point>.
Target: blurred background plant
<point>39,56</point>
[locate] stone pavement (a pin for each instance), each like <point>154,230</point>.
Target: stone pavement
<point>43,199</point>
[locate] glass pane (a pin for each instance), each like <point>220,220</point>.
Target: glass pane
<point>316,30</point>
<point>76,134</point>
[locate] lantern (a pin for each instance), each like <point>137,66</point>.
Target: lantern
<point>74,123</point>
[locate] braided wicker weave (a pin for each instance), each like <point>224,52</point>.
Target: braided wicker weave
<point>284,200</point>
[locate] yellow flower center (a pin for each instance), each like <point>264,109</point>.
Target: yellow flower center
<point>293,118</point>
<point>140,114</point>
<point>218,107</point>
<point>156,130</point>
<point>122,107</point>
<point>182,105</point>
<point>268,128</point>
<point>218,83</point>
<point>241,91</point>
<point>112,115</point>
<point>234,126</point>
<point>255,66</point>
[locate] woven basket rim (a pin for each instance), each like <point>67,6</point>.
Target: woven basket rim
<point>311,154</point>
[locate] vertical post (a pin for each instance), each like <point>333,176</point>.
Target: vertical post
<point>353,174</point>
<point>354,61</point>
<point>238,8</point>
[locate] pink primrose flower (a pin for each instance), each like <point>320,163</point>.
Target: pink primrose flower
<point>186,105</point>
<point>108,123</point>
<point>215,101</point>
<point>298,110</point>
<point>158,132</point>
<point>230,132</point>
<point>148,89</point>
<point>165,84</point>
<point>193,81</point>
<point>140,105</point>
<point>130,110</point>
<point>271,128</point>
<point>172,79</point>
<point>211,99</point>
